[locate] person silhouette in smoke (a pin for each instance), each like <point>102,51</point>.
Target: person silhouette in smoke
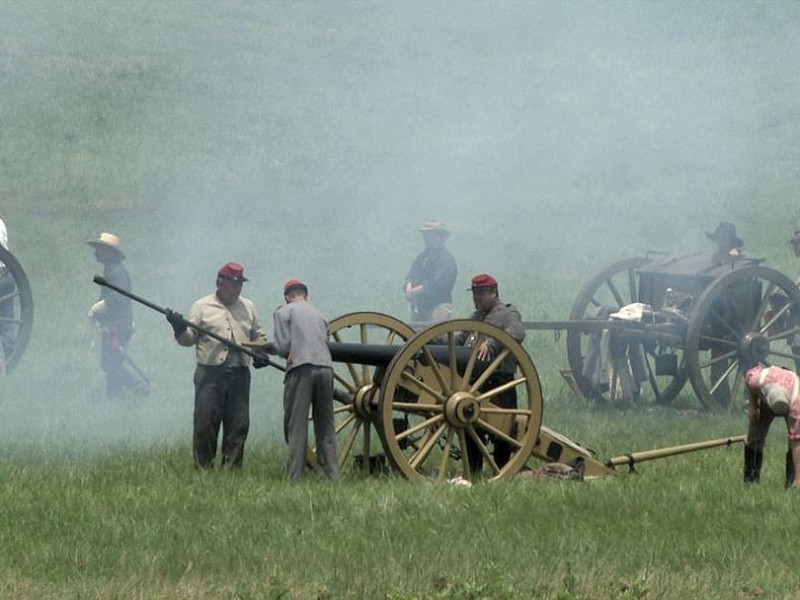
<point>113,314</point>
<point>728,243</point>
<point>429,284</point>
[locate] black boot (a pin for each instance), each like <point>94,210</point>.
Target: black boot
<point>789,469</point>
<point>752,465</point>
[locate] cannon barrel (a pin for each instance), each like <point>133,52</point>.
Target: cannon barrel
<point>380,355</point>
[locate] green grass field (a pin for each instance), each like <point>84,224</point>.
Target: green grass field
<point>310,140</point>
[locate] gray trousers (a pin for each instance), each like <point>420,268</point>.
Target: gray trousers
<point>305,388</point>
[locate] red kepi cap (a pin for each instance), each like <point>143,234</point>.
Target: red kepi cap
<point>294,284</point>
<point>484,281</point>
<point>233,271</point>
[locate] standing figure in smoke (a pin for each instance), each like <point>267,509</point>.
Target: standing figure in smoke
<point>728,244</point>
<point>429,284</point>
<point>301,334</point>
<point>222,375</point>
<point>113,314</point>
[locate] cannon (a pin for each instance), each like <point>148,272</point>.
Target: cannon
<point>410,401</point>
<point>702,322</point>
<point>16,311</point>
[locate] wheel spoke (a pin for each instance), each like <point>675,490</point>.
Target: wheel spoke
<point>489,370</point>
<point>724,377</point>
<point>432,437</point>
<point>365,444</point>
<point>718,359</point>
<point>462,442</point>
<point>350,387</point>
<point>497,433</point>
<point>445,457</point>
<point>719,341</point>
<point>784,334</point>
<point>417,408</point>
<point>344,453</point>
<point>615,293</point>
<point>500,389</point>
<point>762,308</point>
<point>451,353</point>
<point>473,357</point>
<point>410,382</point>
<point>345,422</point>
<point>715,316</point>
<point>482,448</point>
<point>419,427</point>
<point>437,372</point>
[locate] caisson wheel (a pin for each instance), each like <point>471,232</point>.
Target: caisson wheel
<point>613,288</point>
<point>16,310</point>
<point>747,316</point>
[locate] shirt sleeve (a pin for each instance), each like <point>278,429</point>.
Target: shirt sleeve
<point>282,323</point>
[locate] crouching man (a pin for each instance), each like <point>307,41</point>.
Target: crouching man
<point>773,392</point>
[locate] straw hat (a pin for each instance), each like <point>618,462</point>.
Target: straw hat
<point>436,226</point>
<point>108,240</point>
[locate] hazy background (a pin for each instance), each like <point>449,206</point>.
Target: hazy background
<point>312,139</point>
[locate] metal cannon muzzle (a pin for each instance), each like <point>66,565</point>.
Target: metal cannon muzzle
<point>380,355</point>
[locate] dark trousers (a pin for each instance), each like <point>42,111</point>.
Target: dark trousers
<point>113,348</point>
<point>501,450</point>
<point>221,397</point>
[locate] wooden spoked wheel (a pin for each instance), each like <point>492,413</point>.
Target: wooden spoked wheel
<point>356,388</point>
<point>607,292</point>
<point>436,396</point>
<point>16,311</point>
<point>750,315</point>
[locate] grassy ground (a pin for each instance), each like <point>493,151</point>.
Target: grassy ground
<point>310,140</point>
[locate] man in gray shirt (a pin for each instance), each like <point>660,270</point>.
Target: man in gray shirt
<point>301,335</point>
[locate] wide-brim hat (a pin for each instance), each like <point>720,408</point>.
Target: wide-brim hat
<point>435,226</point>
<point>107,240</point>
<point>725,233</point>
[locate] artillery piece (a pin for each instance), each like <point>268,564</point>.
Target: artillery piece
<point>16,311</point>
<point>704,322</point>
<point>423,395</point>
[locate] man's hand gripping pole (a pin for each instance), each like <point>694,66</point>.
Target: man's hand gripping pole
<point>260,357</point>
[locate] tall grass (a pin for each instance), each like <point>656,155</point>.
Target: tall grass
<point>143,524</point>
<point>310,140</point>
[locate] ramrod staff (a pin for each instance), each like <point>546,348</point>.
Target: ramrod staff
<point>637,457</point>
<point>164,311</point>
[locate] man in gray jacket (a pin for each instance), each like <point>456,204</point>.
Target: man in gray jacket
<point>301,335</point>
<point>490,309</point>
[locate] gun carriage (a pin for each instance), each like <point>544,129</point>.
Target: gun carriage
<point>416,398</point>
<point>693,320</point>
<point>16,311</point>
